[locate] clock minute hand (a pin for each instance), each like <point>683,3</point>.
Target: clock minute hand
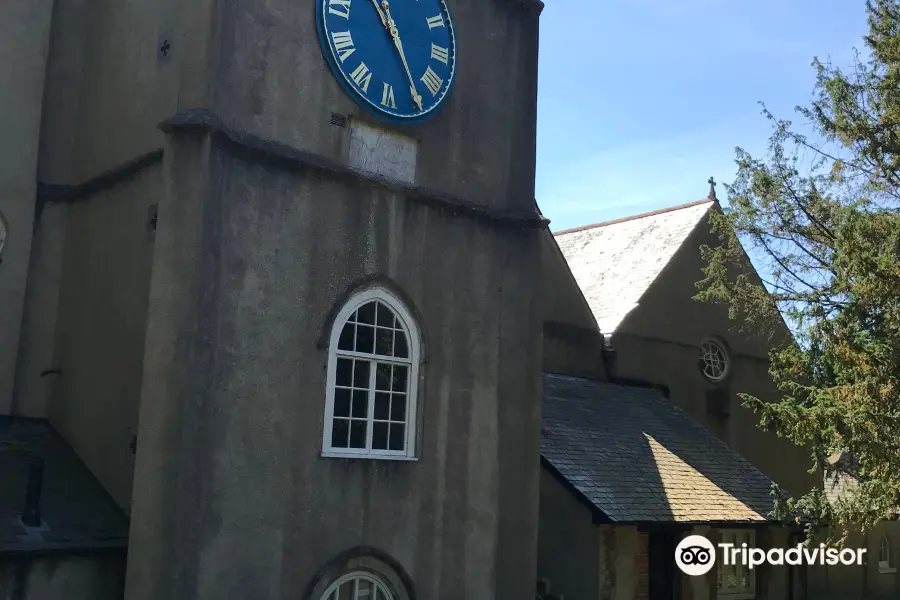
<point>392,27</point>
<point>380,13</point>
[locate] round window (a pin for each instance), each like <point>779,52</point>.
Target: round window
<point>713,361</point>
<point>358,586</point>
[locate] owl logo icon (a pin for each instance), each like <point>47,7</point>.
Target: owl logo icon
<point>695,555</point>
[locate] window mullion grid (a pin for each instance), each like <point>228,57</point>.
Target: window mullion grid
<point>370,407</point>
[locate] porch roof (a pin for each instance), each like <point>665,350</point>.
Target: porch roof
<point>76,513</point>
<point>635,457</point>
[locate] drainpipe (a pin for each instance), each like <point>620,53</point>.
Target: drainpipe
<point>31,516</point>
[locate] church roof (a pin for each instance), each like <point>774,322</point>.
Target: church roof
<point>76,513</point>
<point>615,262</point>
<point>636,458</point>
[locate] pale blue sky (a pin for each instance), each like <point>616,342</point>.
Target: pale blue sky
<point>640,101</point>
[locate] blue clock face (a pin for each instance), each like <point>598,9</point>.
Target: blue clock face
<point>395,58</point>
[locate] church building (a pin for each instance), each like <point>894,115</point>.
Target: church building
<point>281,321</point>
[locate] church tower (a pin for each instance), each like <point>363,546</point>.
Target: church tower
<point>341,374</point>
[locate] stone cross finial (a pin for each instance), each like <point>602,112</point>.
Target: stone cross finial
<point>712,189</point>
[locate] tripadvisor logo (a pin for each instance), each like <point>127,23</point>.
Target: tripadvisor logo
<point>696,555</point>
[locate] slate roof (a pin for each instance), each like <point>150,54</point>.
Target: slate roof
<point>77,513</point>
<point>615,262</point>
<point>637,458</point>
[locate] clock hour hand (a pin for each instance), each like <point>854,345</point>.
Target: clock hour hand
<point>392,28</point>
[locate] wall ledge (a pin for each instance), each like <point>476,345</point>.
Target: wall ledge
<point>204,122</point>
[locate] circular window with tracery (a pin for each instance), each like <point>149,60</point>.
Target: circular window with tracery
<point>358,586</point>
<point>713,361</point>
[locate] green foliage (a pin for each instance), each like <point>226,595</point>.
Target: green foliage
<point>824,214</point>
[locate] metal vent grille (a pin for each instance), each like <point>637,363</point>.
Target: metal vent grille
<point>338,120</point>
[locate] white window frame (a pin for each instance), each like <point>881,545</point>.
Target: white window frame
<point>412,332</point>
<point>726,358</point>
<point>884,548</point>
<point>383,592</point>
<point>737,537</point>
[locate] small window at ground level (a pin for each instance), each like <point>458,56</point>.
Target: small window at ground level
<point>713,361</point>
<point>885,559</point>
<point>736,582</point>
<point>358,586</point>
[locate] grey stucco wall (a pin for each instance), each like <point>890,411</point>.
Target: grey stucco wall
<point>106,91</point>
<point>230,487</point>
<point>24,36</point>
<point>62,578</point>
<point>100,329</point>
<point>569,545</point>
<point>34,388</point>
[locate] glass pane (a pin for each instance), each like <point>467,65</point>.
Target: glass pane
<point>364,589</point>
<point>346,340</point>
<point>385,316</point>
<point>379,436</point>
<point>358,434</point>
<point>401,347</point>
<point>344,373</point>
<point>361,374</point>
<point>341,402</point>
<point>345,592</point>
<point>384,341</point>
<point>365,338</point>
<point>382,406</point>
<point>398,437</point>
<point>340,432</point>
<point>745,579</point>
<point>398,407</point>
<point>731,577</point>
<point>360,404</point>
<point>366,313</point>
<point>382,376</point>
<point>398,383</point>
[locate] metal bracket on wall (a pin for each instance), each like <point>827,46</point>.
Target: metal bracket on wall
<point>164,48</point>
<point>152,220</point>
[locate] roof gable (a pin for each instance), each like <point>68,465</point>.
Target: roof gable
<point>615,262</point>
<point>637,458</point>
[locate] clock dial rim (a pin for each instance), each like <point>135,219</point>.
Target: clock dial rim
<point>373,106</point>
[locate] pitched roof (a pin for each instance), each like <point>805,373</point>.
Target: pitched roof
<point>76,512</point>
<point>637,458</point>
<point>615,262</point>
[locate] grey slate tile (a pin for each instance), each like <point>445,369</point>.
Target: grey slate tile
<point>637,457</point>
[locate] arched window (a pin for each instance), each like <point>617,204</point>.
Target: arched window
<point>358,586</point>
<point>373,360</point>
<point>885,560</point>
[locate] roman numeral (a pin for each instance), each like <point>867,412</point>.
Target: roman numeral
<point>435,21</point>
<point>343,43</point>
<point>362,77</point>
<point>432,81</point>
<point>441,54</point>
<point>387,98</point>
<point>340,8</point>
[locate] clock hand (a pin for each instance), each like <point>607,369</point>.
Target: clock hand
<point>380,13</point>
<point>392,27</point>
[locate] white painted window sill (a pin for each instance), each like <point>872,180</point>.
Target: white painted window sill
<point>370,456</point>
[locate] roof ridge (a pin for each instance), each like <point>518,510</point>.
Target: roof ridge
<point>651,213</point>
